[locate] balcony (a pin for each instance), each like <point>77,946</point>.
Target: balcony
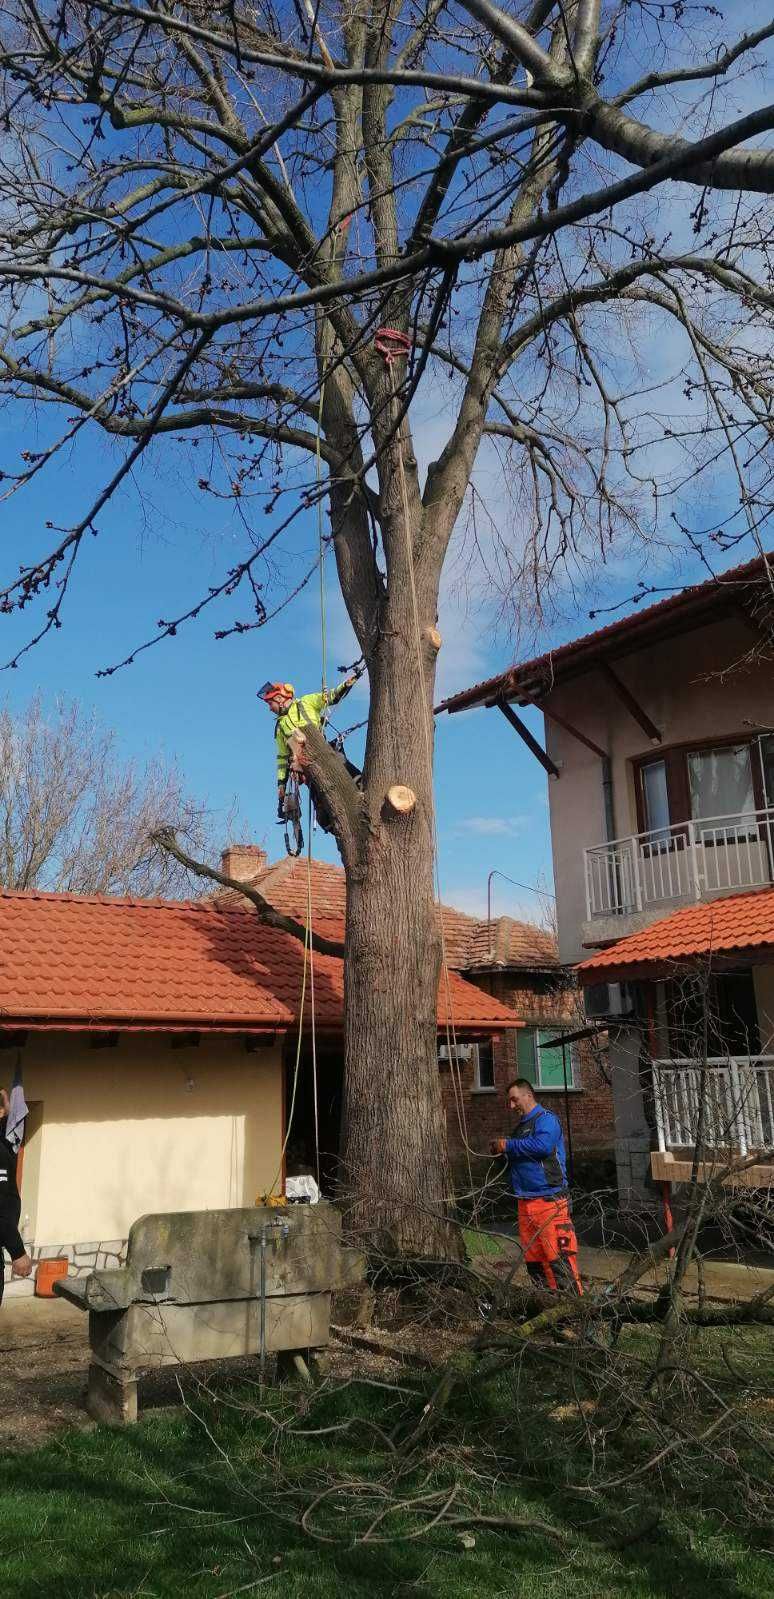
<point>689,861</point>
<point>728,1105</point>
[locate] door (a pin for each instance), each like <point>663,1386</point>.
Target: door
<point>28,1171</point>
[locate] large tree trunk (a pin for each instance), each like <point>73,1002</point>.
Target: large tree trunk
<point>395,1156</point>
<point>395,1151</point>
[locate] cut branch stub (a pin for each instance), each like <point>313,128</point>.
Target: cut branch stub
<point>433,638</point>
<point>401,799</point>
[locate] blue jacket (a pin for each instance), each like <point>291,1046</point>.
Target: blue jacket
<point>536,1158</point>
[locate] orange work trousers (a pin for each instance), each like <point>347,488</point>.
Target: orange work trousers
<point>550,1246</point>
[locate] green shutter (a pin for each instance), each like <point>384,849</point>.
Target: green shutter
<point>525,1053</point>
<point>551,1064</point>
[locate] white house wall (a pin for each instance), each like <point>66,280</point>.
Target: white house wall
<point>674,683</point>
<point>118,1132</point>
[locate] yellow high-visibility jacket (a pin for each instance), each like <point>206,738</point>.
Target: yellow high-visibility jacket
<point>307,711</point>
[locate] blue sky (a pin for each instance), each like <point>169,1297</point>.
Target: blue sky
<point>161,543</point>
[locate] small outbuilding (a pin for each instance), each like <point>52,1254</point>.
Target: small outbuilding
<point>153,1039</point>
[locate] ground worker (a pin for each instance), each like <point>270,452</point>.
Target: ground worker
<point>10,1205</point>
<point>538,1175</point>
<point>292,715</point>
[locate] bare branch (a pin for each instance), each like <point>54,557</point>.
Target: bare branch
<point>166,840</point>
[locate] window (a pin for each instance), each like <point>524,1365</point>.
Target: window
<point>728,781</point>
<point>720,782</point>
<point>484,1068</point>
<point>544,1067</point>
<point>766,747</point>
<point>655,796</point>
<point>479,1056</point>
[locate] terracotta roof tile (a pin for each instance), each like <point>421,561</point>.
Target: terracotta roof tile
<point>471,944</point>
<point>66,960</point>
<point>740,923</point>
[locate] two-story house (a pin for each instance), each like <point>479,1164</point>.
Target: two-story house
<point>659,746</point>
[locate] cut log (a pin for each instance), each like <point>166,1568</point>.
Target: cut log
<point>401,799</point>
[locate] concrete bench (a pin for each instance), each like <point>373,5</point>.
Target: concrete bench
<point>210,1285</point>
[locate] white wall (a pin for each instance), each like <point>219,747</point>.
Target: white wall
<point>117,1132</point>
<point>675,685</point>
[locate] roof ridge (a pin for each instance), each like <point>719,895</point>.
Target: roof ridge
<point>114,901</point>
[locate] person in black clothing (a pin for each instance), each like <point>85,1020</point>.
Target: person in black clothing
<point>10,1206</point>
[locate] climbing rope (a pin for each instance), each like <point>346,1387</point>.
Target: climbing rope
<point>307,975</point>
<point>310,929</point>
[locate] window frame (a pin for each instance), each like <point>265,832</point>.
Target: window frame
<point>535,1028</point>
<point>473,1059</point>
<point>477,1087</point>
<point>675,759</point>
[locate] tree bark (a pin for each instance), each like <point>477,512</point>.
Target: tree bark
<point>395,1161</point>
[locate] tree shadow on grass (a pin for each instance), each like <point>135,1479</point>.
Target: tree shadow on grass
<point>198,1502</point>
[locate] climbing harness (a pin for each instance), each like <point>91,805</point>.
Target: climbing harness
<point>291,815</point>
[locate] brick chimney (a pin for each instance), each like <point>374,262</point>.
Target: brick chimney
<point>243,862</point>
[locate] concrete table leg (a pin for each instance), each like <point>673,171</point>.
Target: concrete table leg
<point>111,1399</point>
<point>291,1364</point>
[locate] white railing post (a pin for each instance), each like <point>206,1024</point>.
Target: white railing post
<point>738,1106</point>
<point>694,860</point>
<point>587,879</point>
<point>659,1107</point>
<point>768,847</point>
<point>634,846</point>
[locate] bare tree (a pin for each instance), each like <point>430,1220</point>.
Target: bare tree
<point>281,228</point>
<point>76,817</point>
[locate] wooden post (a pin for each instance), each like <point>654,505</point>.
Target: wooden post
<point>524,733</point>
<point>632,705</point>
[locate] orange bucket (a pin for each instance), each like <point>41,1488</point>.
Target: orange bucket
<point>49,1272</point>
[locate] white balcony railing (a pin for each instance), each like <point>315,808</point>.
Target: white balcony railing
<point>732,1097</point>
<point>688,861</point>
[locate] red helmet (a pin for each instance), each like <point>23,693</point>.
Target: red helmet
<point>276,693</point>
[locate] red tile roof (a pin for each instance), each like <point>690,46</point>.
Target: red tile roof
<point>508,944</point>
<point>471,943</point>
<point>741,924</point>
<point>527,681</point>
<point>99,963</point>
<point>285,883</point>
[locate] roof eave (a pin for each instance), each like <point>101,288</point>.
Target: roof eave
<point>656,971</point>
<point>529,687</point>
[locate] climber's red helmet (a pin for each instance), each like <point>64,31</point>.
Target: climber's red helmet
<point>278,696</point>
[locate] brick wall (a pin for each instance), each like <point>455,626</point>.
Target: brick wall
<point>540,1000</point>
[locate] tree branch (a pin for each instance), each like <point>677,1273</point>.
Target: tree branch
<point>165,838</point>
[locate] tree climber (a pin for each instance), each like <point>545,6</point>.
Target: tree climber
<point>292,714</point>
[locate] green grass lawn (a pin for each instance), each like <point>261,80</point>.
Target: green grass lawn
<point>201,1502</point>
